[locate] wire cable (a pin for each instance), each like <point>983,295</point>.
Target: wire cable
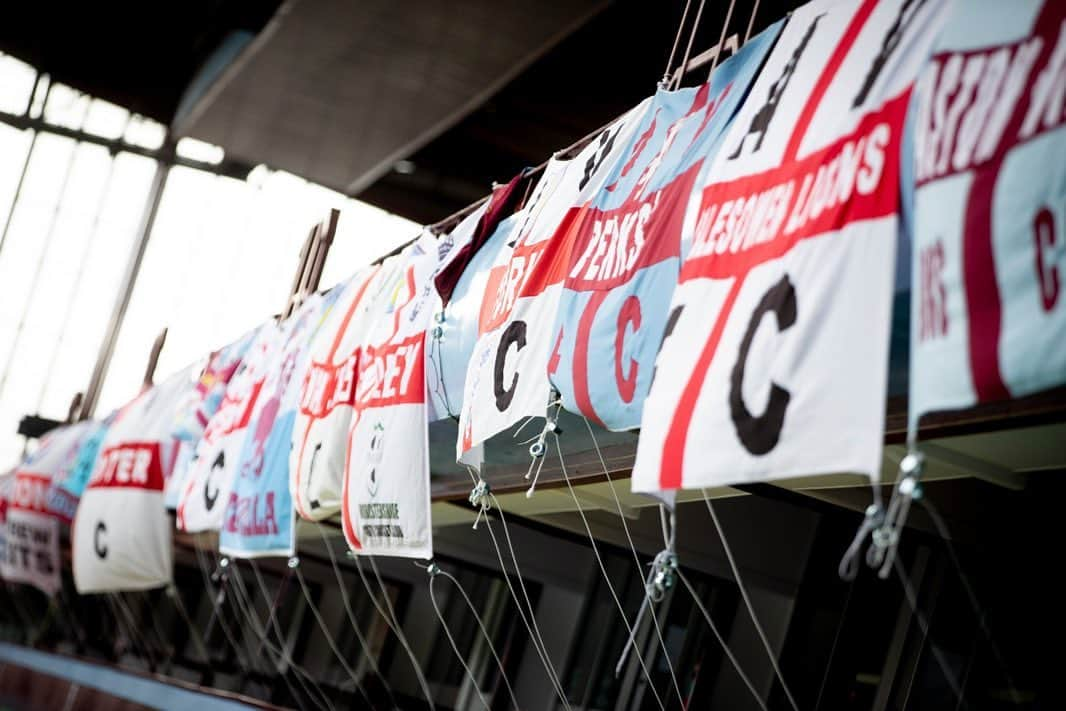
<point>923,624</point>
<point>721,38</point>
<point>281,664</point>
<point>971,594</point>
<point>283,648</point>
<point>215,598</point>
<point>325,631</point>
<point>363,643</point>
<point>636,556</point>
<point>747,601</point>
<point>673,50</point>
<point>721,640</point>
<point>688,48</point>
<point>751,21</point>
<point>530,622</point>
<point>389,614</point>
<point>434,571</point>
<point>603,568</point>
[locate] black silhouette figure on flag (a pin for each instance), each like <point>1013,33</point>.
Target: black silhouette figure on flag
<point>760,122</point>
<point>888,46</point>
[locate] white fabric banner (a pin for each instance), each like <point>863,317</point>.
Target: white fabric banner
<point>121,538</point>
<point>320,432</point>
<point>988,317</point>
<point>260,519</point>
<point>386,507</point>
<point>31,544</point>
<point>213,467</point>
<point>35,506</point>
<point>775,355</point>
<point>507,377</point>
<point>7,481</point>
<point>453,333</point>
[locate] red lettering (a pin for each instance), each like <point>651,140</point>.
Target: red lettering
<point>30,492</point>
<point>628,315</point>
<point>136,465</point>
<point>1047,272</point>
<point>933,312</point>
<point>742,222</point>
<point>387,374</point>
<point>553,362</point>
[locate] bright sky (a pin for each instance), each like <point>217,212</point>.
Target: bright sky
<point>221,257</point>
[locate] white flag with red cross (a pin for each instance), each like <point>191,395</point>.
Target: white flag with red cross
<point>775,355</point>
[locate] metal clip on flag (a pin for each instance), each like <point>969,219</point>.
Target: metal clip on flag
<point>662,576</point>
<point>538,445</point>
<point>479,497</point>
<point>886,536</point>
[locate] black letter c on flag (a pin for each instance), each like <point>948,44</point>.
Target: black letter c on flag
<point>514,333</point>
<point>98,545</point>
<point>760,433</point>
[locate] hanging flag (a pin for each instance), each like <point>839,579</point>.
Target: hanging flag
<point>464,243</point>
<point>454,330</point>
<point>988,317</point>
<point>32,535</point>
<point>7,481</point>
<point>626,245</point>
<point>34,510</point>
<point>320,432</point>
<point>121,537</point>
<point>386,504</point>
<point>259,516</point>
<point>72,475</point>
<point>507,378</point>
<point>775,352</point>
<point>213,467</point>
<point>199,405</point>
<point>203,401</point>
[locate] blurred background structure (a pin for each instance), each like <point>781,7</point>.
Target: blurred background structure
<point>160,167</point>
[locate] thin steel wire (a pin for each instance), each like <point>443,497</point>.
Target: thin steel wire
<point>137,642</point>
<point>677,40</point>
<point>971,594</point>
<point>524,604</point>
<point>389,615</point>
<point>434,572</point>
<point>283,648</point>
<point>747,601</point>
<point>721,640</point>
<point>636,556</point>
<point>329,637</point>
<point>923,624</point>
<point>833,650</point>
<point>363,643</point>
<point>217,612</point>
<point>751,21</point>
<point>603,571</point>
<point>688,48</point>
<point>281,664</point>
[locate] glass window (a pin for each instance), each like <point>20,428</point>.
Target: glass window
<point>221,260</point>
<point>66,107</point>
<point>16,83</point>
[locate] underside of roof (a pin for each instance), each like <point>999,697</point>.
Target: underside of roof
<point>339,91</point>
<point>415,107</point>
